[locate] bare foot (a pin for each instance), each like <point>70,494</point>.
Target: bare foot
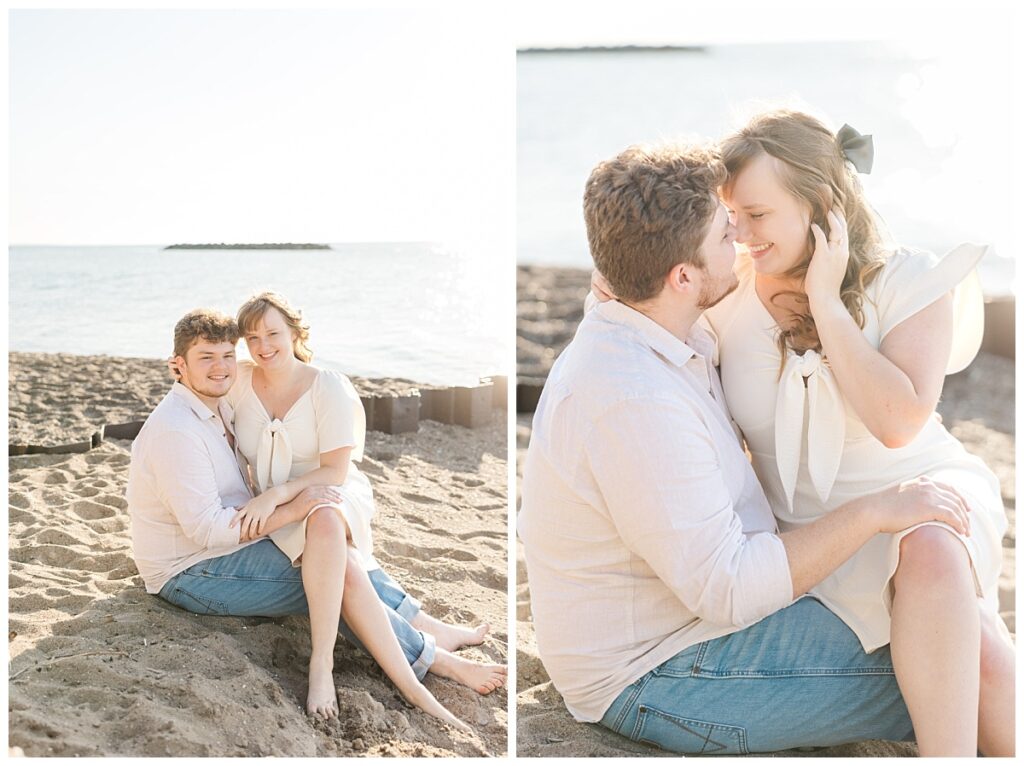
<point>323,697</point>
<point>482,678</point>
<point>425,701</point>
<point>450,637</point>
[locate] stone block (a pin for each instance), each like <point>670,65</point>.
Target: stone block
<point>473,405</point>
<point>437,404</point>
<point>500,382</point>
<point>397,414</point>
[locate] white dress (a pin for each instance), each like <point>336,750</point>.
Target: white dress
<point>812,453</point>
<point>328,416</point>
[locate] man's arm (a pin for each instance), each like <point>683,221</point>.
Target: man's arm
<point>186,484</point>
<point>818,549</point>
<point>294,510</point>
<point>657,468</point>
<point>659,473</point>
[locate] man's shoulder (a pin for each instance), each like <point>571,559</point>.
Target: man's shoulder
<point>172,415</point>
<point>609,362</point>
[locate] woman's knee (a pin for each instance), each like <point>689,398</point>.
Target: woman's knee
<point>355,575</point>
<point>932,556</point>
<point>326,522</point>
<point>998,658</point>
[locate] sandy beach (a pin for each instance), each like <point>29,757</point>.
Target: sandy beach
<point>977,407</point>
<point>99,668</point>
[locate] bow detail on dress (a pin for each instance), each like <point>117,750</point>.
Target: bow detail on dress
<point>274,456</point>
<point>808,378</point>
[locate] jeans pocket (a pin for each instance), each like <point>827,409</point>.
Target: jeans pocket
<point>687,735</point>
<point>192,602</point>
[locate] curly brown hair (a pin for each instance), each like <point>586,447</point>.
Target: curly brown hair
<point>203,324</point>
<point>814,170</point>
<point>252,311</point>
<point>648,210</point>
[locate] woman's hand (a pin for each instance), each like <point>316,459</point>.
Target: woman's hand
<point>311,497</point>
<point>824,278</point>
<point>917,501</point>
<point>600,288</point>
<point>254,514</point>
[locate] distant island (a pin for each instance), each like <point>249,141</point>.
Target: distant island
<point>618,49</point>
<point>264,246</point>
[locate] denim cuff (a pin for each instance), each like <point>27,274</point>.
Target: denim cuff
<point>426,659</point>
<point>409,607</point>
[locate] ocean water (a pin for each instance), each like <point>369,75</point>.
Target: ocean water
<point>940,119</point>
<point>411,310</point>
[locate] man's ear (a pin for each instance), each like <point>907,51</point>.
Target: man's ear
<point>680,278</point>
<point>175,365</point>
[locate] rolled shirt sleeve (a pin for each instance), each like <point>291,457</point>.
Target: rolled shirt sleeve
<point>658,469</point>
<point>185,482</point>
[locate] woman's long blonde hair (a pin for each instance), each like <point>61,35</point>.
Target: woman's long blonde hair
<point>813,169</point>
<point>252,311</point>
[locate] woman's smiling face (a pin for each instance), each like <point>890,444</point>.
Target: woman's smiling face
<point>771,223</point>
<point>270,342</point>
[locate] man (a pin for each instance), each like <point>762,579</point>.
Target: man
<point>662,593</point>
<point>186,486</point>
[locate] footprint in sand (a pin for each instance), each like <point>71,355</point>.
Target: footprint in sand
<point>123,572</point>
<point>51,536</point>
<point>489,577</point>
<point>417,521</point>
<point>90,511</point>
<point>57,477</point>
<point>53,498</point>
<point>481,533</point>
<point>115,501</point>
<point>49,555</point>
<point>425,554</point>
<point>489,506</point>
<point>415,498</point>
<point>107,562</point>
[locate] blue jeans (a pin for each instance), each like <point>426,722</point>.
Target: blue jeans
<point>260,581</point>
<point>798,678</point>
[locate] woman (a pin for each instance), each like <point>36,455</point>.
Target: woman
<point>833,350</point>
<point>299,426</point>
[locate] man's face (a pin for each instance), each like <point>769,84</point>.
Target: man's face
<point>208,368</point>
<point>719,253</point>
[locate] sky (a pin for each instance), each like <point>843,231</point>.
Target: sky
<point>383,124</point>
<point>543,24</point>
<point>153,127</point>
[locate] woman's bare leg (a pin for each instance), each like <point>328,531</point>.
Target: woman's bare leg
<point>324,560</point>
<point>364,614</point>
<point>996,711</point>
<point>449,637</point>
<point>936,642</point>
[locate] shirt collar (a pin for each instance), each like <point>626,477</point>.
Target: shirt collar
<point>663,342</point>
<point>199,407</point>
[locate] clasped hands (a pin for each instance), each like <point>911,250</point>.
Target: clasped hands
<point>255,515</point>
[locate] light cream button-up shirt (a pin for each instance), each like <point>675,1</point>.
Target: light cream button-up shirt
<point>644,527</point>
<point>184,484</point>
